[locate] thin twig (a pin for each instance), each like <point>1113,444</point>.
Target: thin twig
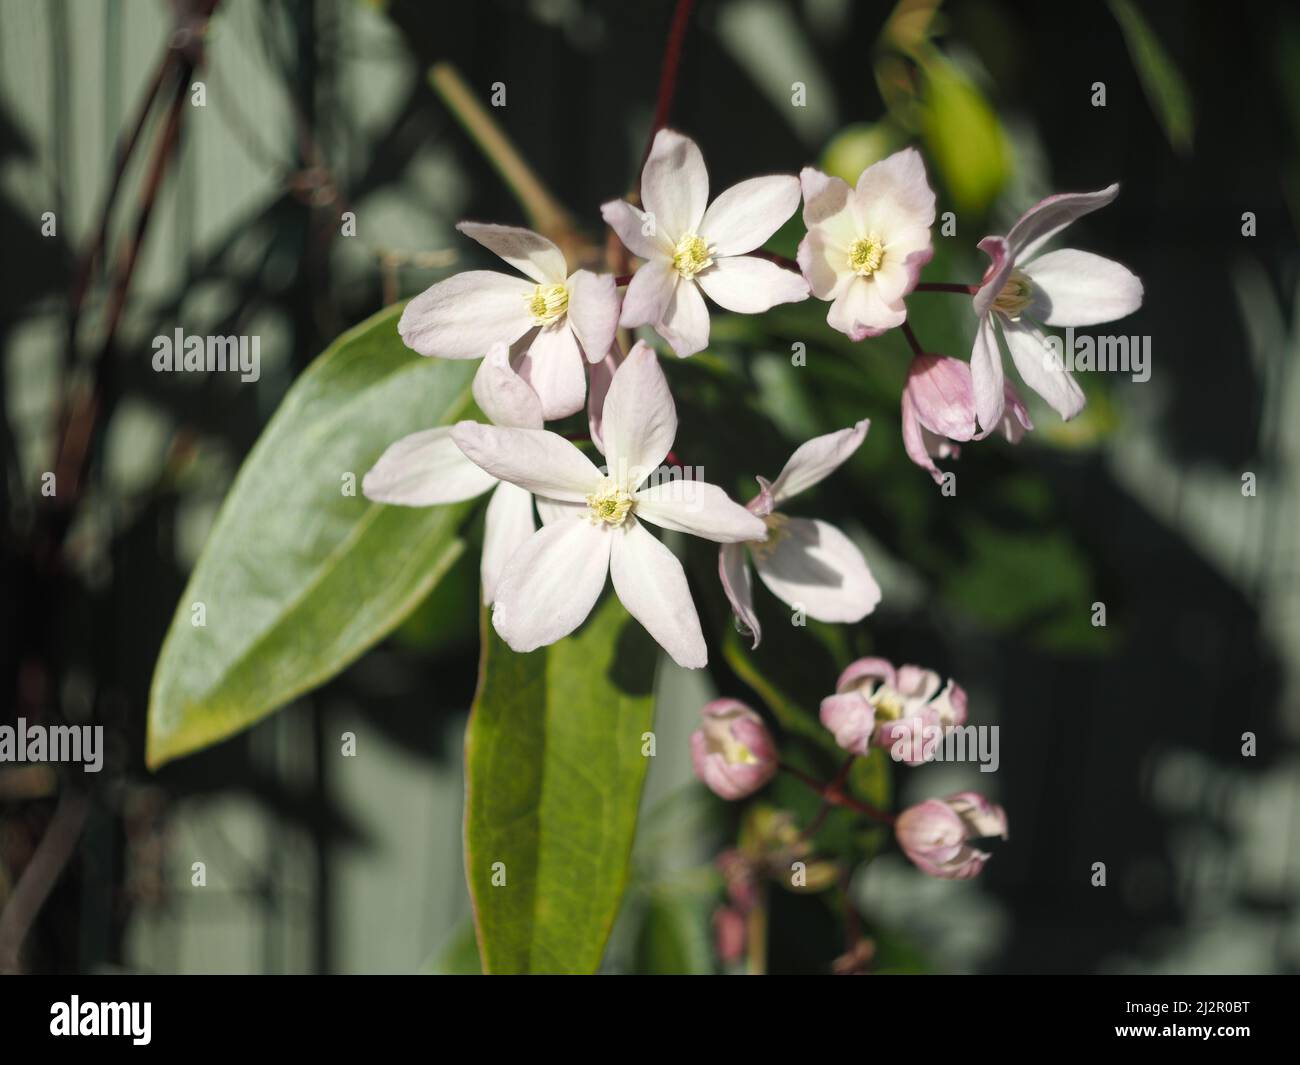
<point>668,73</point>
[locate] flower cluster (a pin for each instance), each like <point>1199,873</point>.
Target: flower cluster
<point>548,338</point>
<point>875,705</point>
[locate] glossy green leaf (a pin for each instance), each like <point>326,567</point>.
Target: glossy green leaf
<point>554,766</point>
<point>299,576</point>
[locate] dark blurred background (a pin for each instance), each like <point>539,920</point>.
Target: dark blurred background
<point>1120,744</point>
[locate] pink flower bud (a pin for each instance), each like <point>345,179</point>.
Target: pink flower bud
<point>732,751</point>
<point>729,934</point>
<point>935,834</point>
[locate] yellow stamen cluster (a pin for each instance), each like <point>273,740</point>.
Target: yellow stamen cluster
<point>1016,295</point>
<point>717,734</point>
<point>691,256</point>
<point>776,532</point>
<point>888,704</point>
<point>609,504</point>
<point>548,303</point>
<point>866,255</point>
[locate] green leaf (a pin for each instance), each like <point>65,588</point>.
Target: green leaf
<point>297,579</point>
<point>963,134</point>
<point>1161,80</point>
<point>554,772</point>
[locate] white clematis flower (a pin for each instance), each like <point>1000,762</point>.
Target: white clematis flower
<point>1023,291</point>
<point>808,564</point>
<point>593,519</point>
<point>560,315</point>
<point>427,468</point>
<point>687,248</point>
<point>866,245</point>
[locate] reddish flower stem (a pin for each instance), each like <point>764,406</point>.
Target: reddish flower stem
<point>911,339</point>
<point>946,286</point>
<point>668,73</point>
<point>834,794</point>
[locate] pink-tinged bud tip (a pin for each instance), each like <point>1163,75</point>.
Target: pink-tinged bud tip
<point>935,834</point>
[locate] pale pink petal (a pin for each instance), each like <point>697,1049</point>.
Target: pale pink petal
<point>987,377</point>
<point>593,312</point>
<point>744,216</point>
<point>638,232</point>
<point>551,582</point>
<point>862,672</point>
<point>1048,217</point>
<point>505,397</point>
<point>826,207</point>
<point>1079,288</point>
<point>650,582</point>
<point>528,252</point>
<point>914,439</point>
<point>675,185</point>
<point>1041,368</point>
<point>648,293</point>
<point>943,395</point>
<point>553,366</point>
<point>738,586</point>
<point>538,460</point>
<point>1015,419</point>
<point>816,568</point>
<point>425,469</point>
<point>685,321</point>
<point>983,819</point>
<point>851,720</point>
<point>506,526</point>
<point>640,419</point>
<point>462,317</point>
<point>599,378</point>
<point>915,682</point>
<point>906,255</point>
<point>1000,266</point>
<point>698,508</point>
<point>859,312</point>
<point>749,285</point>
<point>816,459</point>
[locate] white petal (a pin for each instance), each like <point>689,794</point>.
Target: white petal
<point>424,469</point>
<point>631,224</point>
<point>744,216</point>
<point>824,264</point>
<point>507,525</point>
<point>553,366</point>
<point>648,293</point>
<point>749,285</point>
<point>698,508</point>
<point>640,420</point>
<point>987,377</point>
<point>1041,368</point>
<point>685,321</point>
<point>1048,217</point>
<point>816,459</point>
<point>826,207</point>
<point>504,396</point>
<point>550,584</point>
<point>462,317</point>
<point>650,582</point>
<point>552,510</point>
<point>536,459</point>
<point>1079,288</point>
<point>738,586</point>
<point>528,252</point>
<point>599,378</point>
<point>593,312</point>
<point>858,311</point>
<point>999,269</point>
<point>894,194</point>
<point>675,185</point>
<point>816,568</point>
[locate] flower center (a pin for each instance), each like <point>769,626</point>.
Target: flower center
<point>548,303</point>
<point>776,532</point>
<point>888,703</point>
<point>866,255</point>
<point>609,504</point>
<point>1016,295</point>
<point>691,256</point>
<point>721,741</point>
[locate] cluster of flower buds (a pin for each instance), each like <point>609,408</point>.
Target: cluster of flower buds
<point>875,705</point>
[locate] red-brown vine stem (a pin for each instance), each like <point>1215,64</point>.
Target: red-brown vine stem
<point>834,794</point>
